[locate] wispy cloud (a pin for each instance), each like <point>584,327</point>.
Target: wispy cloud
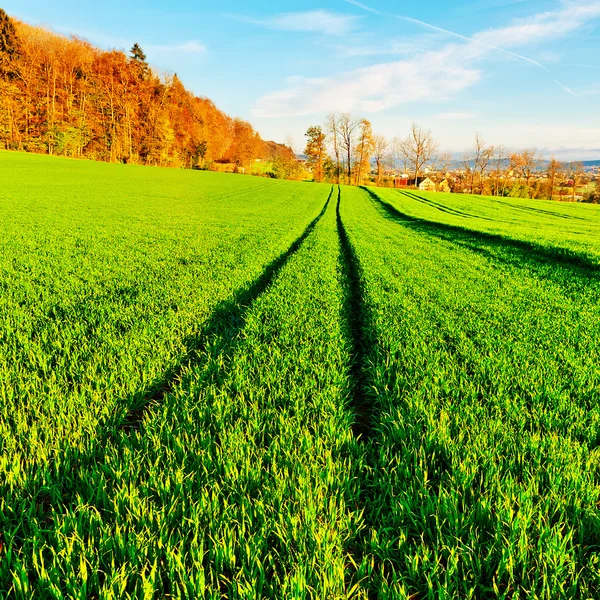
<point>313,21</point>
<point>478,42</point>
<point>591,91</point>
<point>370,89</point>
<point>579,65</point>
<point>400,47</point>
<point>555,139</point>
<point>429,76</point>
<point>549,57</point>
<point>490,5</point>
<point>543,26</point>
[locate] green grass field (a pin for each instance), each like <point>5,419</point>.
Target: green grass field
<point>218,386</point>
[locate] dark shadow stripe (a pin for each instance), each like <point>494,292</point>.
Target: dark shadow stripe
<point>563,262</point>
<point>358,321</point>
<point>550,213</point>
<point>227,320</point>
<point>441,207</point>
<point>56,487</point>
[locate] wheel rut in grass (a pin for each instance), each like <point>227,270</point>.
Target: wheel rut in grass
<point>217,336</point>
<point>225,323</point>
<point>359,323</point>
<point>441,207</point>
<point>357,320</point>
<point>562,264</point>
<point>541,211</point>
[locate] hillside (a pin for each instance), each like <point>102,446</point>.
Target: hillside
<point>63,96</point>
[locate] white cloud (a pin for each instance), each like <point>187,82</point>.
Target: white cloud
<point>551,139</point>
<point>580,66</point>
<point>370,89</point>
<point>543,26</point>
<point>432,76</point>
<point>314,21</point>
<point>549,57</point>
<point>399,47</point>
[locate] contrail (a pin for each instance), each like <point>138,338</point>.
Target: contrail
<point>465,38</point>
<point>472,40</point>
<point>365,7</point>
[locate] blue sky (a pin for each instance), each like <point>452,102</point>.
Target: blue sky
<point>523,73</point>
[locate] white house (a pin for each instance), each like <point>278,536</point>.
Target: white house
<point>427,185</point>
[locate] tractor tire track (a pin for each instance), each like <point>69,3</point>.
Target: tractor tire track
<point>217,337</point>
<point>358,322</point>
<point>226,322</point>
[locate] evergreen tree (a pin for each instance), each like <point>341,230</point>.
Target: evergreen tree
<point>138,56</point>
<point>9,45</point>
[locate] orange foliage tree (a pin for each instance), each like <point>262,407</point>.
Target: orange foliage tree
<point>63,96</point>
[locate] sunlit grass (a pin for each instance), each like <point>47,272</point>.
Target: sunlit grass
<point>485,381</point>
<point>217,386</point>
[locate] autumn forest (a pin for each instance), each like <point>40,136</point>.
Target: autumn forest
<point>63,96</point>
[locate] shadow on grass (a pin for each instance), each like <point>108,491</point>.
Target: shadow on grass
<point>358,319</point>
<point>541,211</point>
<point>441,207</point>
<point>226,322</point>
<point>54,488</point>
<point>561,265</point>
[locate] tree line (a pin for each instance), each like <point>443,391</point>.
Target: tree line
<point>63,96</point>
<point>345,150</point>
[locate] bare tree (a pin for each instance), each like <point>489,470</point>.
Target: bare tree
<point>577,170</point>
<point>332,129</point>
<point>478,160</point>
<point>380,150</point>
<point>364,150</point>
<point>443,162</point>
<point>485,158</point>
<point>516,162</point>
<point>399,155</point>
<point>499,159</point>
<point>531,162</point>
<point>477,155</point>
<point>525,163</point>
<point>290,142</point>
<point>347,126</point>
<point>418,148</point>
<point>468,168</point>
<point>554,169</point>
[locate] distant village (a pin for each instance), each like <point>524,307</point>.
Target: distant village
<point>572,182</point>
<point>345,150</point>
